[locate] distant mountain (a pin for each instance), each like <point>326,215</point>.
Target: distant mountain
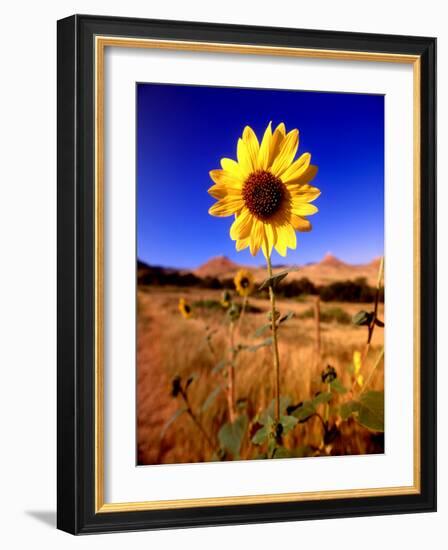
<point>218,266</point>
<point>328,270</point>
<point>331,261</point>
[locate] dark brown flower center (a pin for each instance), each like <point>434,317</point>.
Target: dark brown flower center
<point>187,308</point>
<point>244,282</point>
<point>263,194</point>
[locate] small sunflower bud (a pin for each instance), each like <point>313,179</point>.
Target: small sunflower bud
<point>328,375</point>
<point>233,312</point>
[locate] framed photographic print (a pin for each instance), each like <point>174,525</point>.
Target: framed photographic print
<point>246,274</point>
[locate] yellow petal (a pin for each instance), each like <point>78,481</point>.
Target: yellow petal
<point>244,160</point>
<point>265,148</point>
<point>290,235</point>
<point>297,168</point>
<point>217,192</point>
<point>277,139</point>
<point>286,239</point>
<point>270,240</point>
<point>242,244</point>
<point>306,177</point>
<point>287,153</point>
<point>223,177</point>
<point>242,226</point>
<point>221,191</point>
<point>301,208</point>
<point>300,224</point>
<point>252,145</point>
<point>256,237</point>
<point>229,165</point>
<point>305,193</point>
<point>281,243</point>
<point>226,207</point>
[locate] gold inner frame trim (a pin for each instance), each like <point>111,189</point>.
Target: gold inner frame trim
<point>101,42</point>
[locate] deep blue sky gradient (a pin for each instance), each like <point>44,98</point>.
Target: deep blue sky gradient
<point>184,131</point>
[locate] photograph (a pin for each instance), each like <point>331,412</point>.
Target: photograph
<point>260,274</point>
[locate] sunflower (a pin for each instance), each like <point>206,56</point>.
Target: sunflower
<point>266,190</point>
<point>185,308</point>
<point>244,282</point>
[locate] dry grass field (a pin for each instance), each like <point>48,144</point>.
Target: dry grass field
<point>170,345</point>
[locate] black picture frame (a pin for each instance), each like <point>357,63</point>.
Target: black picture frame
<point>76,255</point>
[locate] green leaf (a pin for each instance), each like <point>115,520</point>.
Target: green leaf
<point>261,435</point>
<point>275,279</point>
<point>371,412</point>
<point>286,317</point>
<point>211,398</point>
<point>261,329</point>
<point>346,409</point>
<point>304,412</point>
<point>175,416</point>
<point>368,411</point>
<point>268,414</point>
<point>321,398</point>
<point>362,318</point>
<point>256,347</point>
<point>231,435</point>
<point>288,423</point>
<point>282,452</point>
<point>338,387</point>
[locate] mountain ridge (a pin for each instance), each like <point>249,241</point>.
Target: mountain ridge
<point>328,270</point>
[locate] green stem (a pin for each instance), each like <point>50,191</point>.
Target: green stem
<point>211,348</point>
<point>274,341</point>
<point>327,406</point>
<point>377,298</point>
<point>243,311</point>
<point>195,419</point>
<point>231,374</point>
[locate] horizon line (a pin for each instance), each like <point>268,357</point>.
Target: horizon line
<point>281,264</point>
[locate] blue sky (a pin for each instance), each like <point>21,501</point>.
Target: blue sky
<point>184,131</point>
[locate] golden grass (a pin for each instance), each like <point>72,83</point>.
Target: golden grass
<point>169,345</point>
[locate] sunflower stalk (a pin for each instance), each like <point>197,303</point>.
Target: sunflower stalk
<point>373,322</point>
<point>243,311</point>
<point>196,420</point>
<point>231,373</point>
<point>210,346</point>
<point>274,339</point>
